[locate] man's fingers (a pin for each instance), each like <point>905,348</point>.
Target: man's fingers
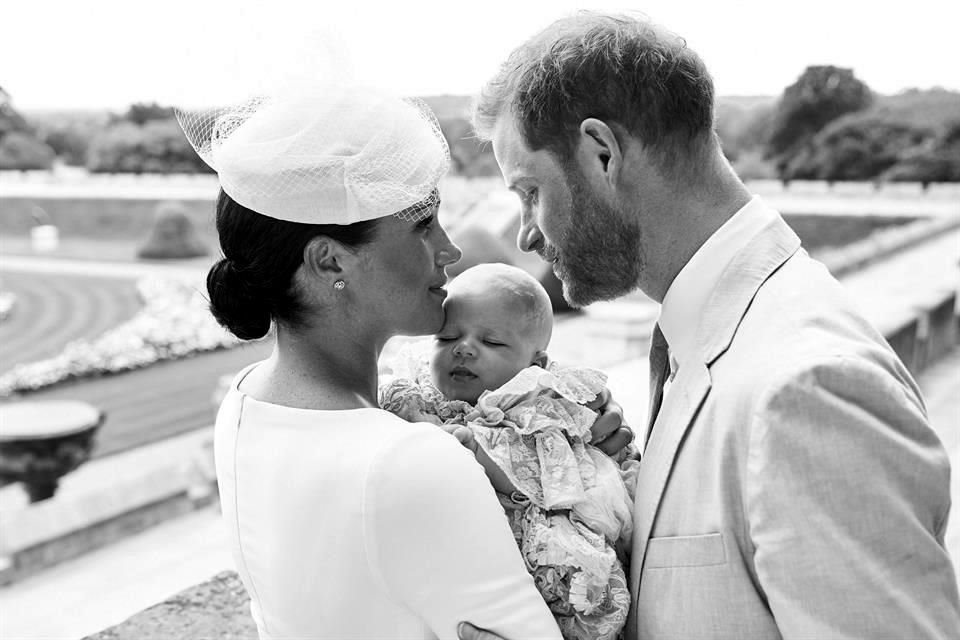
<point>466,631</point>
<point>602,398</point>
<point>620,439</point>
<point>607,423</point>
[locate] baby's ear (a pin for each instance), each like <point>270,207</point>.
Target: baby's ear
<point>540,359</point>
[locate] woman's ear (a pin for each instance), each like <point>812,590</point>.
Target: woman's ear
<point>324,258</point>
<point>540,359</point>
<point>599,152</point>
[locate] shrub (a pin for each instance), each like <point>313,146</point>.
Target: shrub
<point>22,151</point>
<point>173,236</point>
<point>859,146</point>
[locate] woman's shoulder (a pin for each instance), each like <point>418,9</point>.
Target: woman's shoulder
<point>424,455</point>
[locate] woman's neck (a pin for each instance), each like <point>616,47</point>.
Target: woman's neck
<point>335,372</point>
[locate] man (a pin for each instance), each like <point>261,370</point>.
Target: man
<point>790,485</point>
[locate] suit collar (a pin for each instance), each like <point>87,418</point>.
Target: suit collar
<point>693,286</point>
<point>769,248</point>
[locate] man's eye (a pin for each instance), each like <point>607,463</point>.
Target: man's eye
<point>493,343</point>
<point>444,339</point>
<point>426,223</point>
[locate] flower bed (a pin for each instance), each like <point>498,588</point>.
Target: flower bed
<point>174,322</point>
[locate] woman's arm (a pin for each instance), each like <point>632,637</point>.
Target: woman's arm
<point>438,538</point>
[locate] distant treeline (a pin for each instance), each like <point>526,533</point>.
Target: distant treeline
<point>828,125</point>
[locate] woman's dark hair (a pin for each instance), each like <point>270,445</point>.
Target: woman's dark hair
<point>253,284</point>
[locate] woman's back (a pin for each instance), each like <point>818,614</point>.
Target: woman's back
<point>356,524</point>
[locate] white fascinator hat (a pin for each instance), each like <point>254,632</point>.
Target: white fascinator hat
<point>324,154</point>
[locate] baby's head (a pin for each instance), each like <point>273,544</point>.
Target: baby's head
<point>498,322</point>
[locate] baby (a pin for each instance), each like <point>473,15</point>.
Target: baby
<point>567,505</point>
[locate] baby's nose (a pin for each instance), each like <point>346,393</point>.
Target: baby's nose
<point>463,349</point>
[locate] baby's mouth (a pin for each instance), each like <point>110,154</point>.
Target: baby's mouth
<point>462,374</point>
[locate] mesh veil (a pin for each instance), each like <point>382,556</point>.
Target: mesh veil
<point>334,156</point>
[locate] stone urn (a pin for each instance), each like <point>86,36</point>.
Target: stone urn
<point>40,442</point>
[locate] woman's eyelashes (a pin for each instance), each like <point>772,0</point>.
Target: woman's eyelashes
<point>427,223</point>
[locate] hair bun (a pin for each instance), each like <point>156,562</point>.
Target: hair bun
<point>235,303</point>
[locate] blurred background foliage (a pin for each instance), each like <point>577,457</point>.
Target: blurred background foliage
<point>828,125</point>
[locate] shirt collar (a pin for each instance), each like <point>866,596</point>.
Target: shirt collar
<point>690,291</point>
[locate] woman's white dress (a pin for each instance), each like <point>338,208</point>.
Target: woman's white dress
<point>357,524</point>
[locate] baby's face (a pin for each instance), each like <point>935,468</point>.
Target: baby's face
<point>484,342</point>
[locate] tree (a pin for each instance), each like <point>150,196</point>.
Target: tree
<point>19,147</point>
<point>143,112</point>
<point>468,156</point>
<point>821,94</point>
<point>158,146</point>
<point>21,151</point>
<point>935,162</point>
<point>859,146</point>
<point>741,126</point>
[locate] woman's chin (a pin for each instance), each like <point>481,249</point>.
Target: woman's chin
<point>425,325</point>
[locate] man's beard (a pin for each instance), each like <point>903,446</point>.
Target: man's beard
<point>599,253</point>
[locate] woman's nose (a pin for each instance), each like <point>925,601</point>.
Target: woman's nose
<point>448,253</point>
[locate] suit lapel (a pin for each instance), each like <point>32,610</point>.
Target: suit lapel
<point>741,279</point>
<point>687,393</point>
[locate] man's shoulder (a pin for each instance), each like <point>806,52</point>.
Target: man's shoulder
<point>802,311</point>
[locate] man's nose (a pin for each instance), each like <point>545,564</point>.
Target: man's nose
<point>529,237</point>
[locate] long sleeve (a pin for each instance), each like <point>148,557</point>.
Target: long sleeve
<point>438,538</point>
<point>847,500</point>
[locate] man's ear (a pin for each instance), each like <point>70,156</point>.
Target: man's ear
<point>325,258</point>
<point>540,359</point>
<point>599,152</point>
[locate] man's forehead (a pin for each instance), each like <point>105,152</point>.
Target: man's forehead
<point>508,145</point>
<point>517,161</point>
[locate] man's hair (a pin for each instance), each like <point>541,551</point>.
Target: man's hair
<point>616,68</point>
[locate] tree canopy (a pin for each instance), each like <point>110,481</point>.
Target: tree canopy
<point>820,95</point>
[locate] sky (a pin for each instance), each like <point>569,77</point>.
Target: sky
<point>91,54</point>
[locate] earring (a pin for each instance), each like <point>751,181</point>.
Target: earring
<point>339,285</point>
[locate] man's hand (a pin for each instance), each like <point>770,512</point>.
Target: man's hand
<point>609,432</point>
<point>466,631</point>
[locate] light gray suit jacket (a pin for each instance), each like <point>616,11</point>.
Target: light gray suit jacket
<point>791,486</point>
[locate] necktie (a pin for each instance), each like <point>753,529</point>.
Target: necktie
<point>659,372</point>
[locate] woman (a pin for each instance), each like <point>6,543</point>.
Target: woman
<point>345,521</point>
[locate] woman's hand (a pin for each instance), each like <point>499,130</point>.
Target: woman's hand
<point>609,432</point>
<point>495,474</point>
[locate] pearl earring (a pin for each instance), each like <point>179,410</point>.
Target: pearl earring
<point>339,285</point>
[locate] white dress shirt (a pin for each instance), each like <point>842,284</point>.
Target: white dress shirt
<point>689,292</point>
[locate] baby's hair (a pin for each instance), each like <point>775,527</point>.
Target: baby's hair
<point>523,289</point>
